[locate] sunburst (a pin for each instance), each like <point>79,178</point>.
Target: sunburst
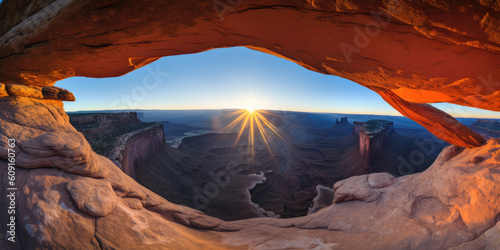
<point>257,125</point>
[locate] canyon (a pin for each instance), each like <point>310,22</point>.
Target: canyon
<point>411,53</point>
<point>487,128</point>
<point>121,137</point>
<point>209,173</point>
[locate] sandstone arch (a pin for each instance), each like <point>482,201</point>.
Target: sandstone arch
<point>418,51</point>
<point>430,51</point>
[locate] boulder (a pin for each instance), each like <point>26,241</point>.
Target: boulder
<point>363,187</point>
<point>93,197</point>
<point>65,95</point>
<point>23,90</point>
<point>56,93</point>
<point>50,93</point>
<point>3,91</point>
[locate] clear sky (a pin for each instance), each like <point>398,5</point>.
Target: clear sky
<point>233,78</point>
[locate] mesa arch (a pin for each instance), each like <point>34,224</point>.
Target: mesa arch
<point>415,51</point>
<point>76,197</point>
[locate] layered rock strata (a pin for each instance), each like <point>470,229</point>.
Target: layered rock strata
<point>373,135</point>
<point>134,148</point>
<point>102,120</point>
<point>487,128</point>
<point>41,93</point>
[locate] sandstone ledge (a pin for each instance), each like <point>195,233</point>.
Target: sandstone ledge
<point>41,93</point>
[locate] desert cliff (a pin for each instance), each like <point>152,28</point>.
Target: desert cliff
<point>121,137</point>
<point>487,128</point>
<point>137,146</point>
<point>373,135</point>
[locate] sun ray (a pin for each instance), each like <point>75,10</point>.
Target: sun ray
<point>236,121</point>
<point>243,126</point>
<point>251,138</point>
<point>241,111</point>
<point>264,136</point>
<point>271,126</point>
<point>256,126</point>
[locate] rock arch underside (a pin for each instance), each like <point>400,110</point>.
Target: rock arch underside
<point>411,52</point>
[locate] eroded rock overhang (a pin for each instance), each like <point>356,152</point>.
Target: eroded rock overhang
<point>410,52</point>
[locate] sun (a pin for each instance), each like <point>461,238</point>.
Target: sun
<point>249,109</point>
<point>257,125</point>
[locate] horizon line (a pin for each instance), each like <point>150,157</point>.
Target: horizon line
<point>302,111</point>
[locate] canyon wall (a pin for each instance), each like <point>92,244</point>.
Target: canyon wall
<point>121,137</point>
<point>135,147</point>
<point>373,135</point>
<point>487,128</point>
<point>93,120</point>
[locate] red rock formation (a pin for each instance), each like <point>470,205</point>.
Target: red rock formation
<point>69,197</point>
<point>372,137</point>
<point>436,121</point>
<point>48,93</point>
<point>422,51</point>
<point>343,120</point>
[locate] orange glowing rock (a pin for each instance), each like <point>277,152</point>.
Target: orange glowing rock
<point>436,121</point>
<point>423,51</point>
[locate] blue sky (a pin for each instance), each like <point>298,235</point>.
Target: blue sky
<point>233,78</point>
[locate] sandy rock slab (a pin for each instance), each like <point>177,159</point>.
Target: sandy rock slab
<point>56,93</point>
<point>23,90</point>
<point>93,197</point>
<point>364,187</point>
<point>47,93</point>
<point>3,91</point>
